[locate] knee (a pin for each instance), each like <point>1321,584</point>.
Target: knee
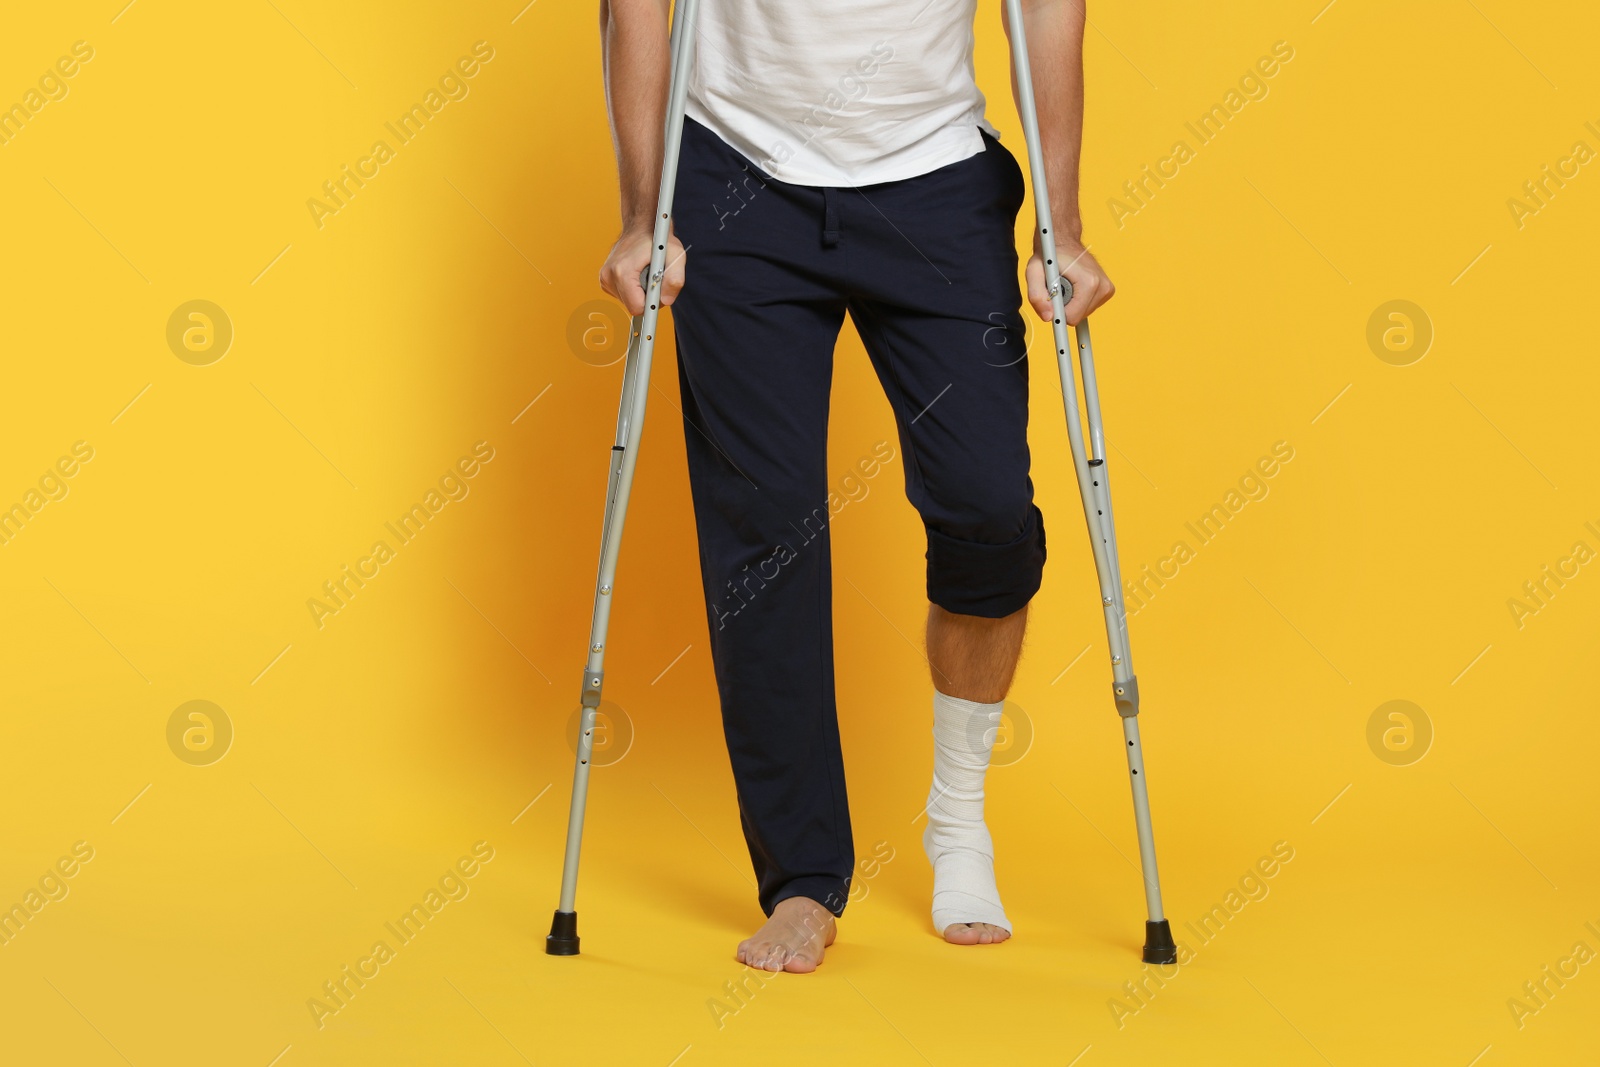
<point>987,509</point>
<point>990,566</point>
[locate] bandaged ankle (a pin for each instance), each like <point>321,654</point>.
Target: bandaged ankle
<point>956,840</point>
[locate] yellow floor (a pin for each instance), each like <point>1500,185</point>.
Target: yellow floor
<point>1411,510</point>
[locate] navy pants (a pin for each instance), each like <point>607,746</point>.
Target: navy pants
<point>926,268</point>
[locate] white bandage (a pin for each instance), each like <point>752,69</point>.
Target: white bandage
<point>957,841</point>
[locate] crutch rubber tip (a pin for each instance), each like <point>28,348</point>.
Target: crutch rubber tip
<point>1158,946</point>
<point>563,939</point>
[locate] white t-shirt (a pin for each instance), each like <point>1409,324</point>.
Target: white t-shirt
<point>839,92</point>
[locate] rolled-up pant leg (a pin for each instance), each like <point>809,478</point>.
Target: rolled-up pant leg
<point>756,326</point>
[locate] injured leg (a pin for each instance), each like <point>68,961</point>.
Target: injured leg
<point>966,902</point>
<point>972,660</point>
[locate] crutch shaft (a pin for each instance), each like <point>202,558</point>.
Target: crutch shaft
<point>563,938</point>
<point>1093,487</point>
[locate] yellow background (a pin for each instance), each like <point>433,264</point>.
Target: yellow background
<point>430,312</point>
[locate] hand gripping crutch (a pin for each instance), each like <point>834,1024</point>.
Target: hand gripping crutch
<point>563,939</point>
<point>1096,493</point>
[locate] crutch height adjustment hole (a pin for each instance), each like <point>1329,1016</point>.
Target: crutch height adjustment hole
<point>609,736</point>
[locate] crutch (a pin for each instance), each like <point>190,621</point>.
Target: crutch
<point>1096,494</point>
<point>563,938</point>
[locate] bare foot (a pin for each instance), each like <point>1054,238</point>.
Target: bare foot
<point>975,934</point>
<point>792,940</point>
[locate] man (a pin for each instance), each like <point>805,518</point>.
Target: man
<point>836,160</point>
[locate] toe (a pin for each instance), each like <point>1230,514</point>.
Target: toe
<point>992,934</point>
<point>961,934</point>
<point>975,934</point>
<point>800,964</point>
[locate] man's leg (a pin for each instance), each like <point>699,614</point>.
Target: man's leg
<point>937,303</point>
<point>972,657</point>
<point>972,660</point>
<point>756,325</point>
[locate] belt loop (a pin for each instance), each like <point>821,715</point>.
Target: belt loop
<point>830,219</point>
